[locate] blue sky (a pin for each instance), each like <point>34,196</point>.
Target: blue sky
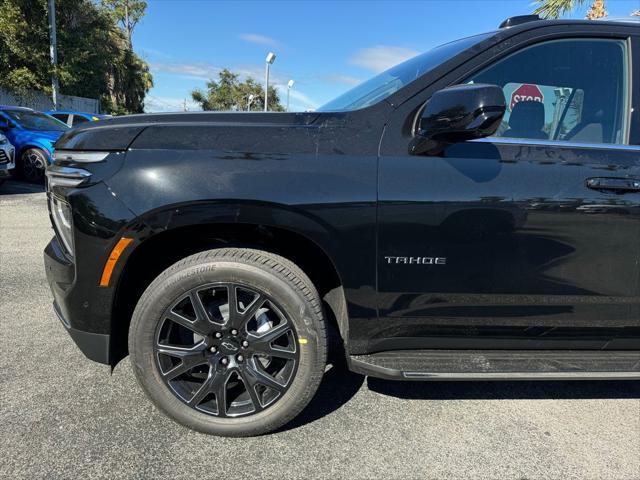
<point>325,46</point>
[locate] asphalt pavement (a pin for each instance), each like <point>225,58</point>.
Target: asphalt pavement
<point>62,416</point>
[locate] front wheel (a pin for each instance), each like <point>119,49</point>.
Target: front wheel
<point>230,341</point>
<point>32,165</point>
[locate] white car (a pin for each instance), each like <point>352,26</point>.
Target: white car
<point>7,158</point>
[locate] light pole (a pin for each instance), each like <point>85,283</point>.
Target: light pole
<point>53,52</point>
<point>271,57</point>
<point>250,101</point>
<point>289,86</point>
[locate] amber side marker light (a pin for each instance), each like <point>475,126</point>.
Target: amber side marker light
<point>113,259</point>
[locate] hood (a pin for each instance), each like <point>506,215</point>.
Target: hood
<point>20,137</point>
<point>265,118</point>
<point>51,136</point>
<point>119,133</point>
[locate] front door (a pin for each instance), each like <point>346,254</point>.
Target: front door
<point>529,239</point>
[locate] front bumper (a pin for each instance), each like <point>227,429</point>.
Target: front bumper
<point>95,346</point>
<point>7,161</point>
<point>61,277</point>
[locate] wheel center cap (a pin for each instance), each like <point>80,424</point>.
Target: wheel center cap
<point>229,347</point>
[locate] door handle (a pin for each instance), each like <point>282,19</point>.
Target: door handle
<point>618,185</point>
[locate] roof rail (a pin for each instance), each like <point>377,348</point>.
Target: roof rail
<point>519,20</point>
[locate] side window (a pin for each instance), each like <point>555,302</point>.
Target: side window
<point>573,90</point>
<point>77,120</point>
<point>63,117</point>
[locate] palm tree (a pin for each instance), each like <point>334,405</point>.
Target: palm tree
<point>558,8</point>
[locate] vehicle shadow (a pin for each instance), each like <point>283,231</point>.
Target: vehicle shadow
<point>338,386</point>
<point>17,187</point>
<point>506,390</point>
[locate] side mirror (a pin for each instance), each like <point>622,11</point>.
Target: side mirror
<point>4,124</point>
<point>456,114</point>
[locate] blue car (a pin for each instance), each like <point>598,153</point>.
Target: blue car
<point>72,118</point>
<point>33,135</point>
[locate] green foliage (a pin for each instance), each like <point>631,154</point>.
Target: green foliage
<point>228,93</point>
<point>127,13</point>
<point>94,58</point>
<point>559,8</point>
<point>556,8</point>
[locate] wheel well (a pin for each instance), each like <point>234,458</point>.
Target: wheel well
<point>24,148</point>
<point>164,249</point>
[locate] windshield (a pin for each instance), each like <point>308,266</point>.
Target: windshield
<point>36,121</point>
<point>387,83</point>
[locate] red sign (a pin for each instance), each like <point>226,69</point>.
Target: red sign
<point>526,93</point>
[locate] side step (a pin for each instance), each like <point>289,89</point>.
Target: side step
<point>499,365</point>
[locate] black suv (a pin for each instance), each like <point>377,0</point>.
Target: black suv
<point>473,213</point>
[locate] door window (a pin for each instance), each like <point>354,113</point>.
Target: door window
<point>63,117</point>
<point>571,90</point>
<point>78,119</point>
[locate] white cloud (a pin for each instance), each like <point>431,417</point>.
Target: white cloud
<point>152,52</point>
<point>154,104</point>
<point>299,101</point>
<point>349,80</point>
<point>381,57</point>
<point>204,71</point>
<point>199,70</point>
<point>259,39</point>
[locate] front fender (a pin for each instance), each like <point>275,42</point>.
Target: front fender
<point>40,145</point>
<point>347,254</point>
<point>23,140</point>
<point>242,212</point>
<point>329,199</point>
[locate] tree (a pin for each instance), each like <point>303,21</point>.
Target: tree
<point>94,59</point>
<point>597,10</point>
<point>129,81</point>
<point>228,93</point>
<point>127,13</point>
<point>558,8</point>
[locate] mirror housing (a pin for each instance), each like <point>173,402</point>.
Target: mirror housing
<point>5,124</point>
<point>456,114</point>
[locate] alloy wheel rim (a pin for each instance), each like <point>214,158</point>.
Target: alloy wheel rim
<point>33,164</point>
<point>226,350</point>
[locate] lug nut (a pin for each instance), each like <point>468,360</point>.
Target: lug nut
<point>240,358</point>
<point>234,332</point>
<point>245,344</point>
<point>213,349</point>
<point>224,361</point>
<point>218,335</point>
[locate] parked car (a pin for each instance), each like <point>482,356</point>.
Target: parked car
<point>432,218</point>
<point>73,119</point>
<point>7,155</point>
<point>33,134</point>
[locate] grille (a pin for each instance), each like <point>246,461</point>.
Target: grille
<point>4,158</point>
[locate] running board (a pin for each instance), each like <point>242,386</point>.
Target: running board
<point>499,365</point>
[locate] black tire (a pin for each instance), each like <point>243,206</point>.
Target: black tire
<point>32,165</point>
<point>283,287</point>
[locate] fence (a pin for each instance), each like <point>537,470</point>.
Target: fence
<point>40,101</point>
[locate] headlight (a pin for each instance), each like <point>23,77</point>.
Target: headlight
<point>61,214</point>
<point>3,139</point>
<point>79,156</point>
<point>65,176</point>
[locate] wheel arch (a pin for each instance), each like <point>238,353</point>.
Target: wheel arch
<point>31,145</point>
<point>172,234</point>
